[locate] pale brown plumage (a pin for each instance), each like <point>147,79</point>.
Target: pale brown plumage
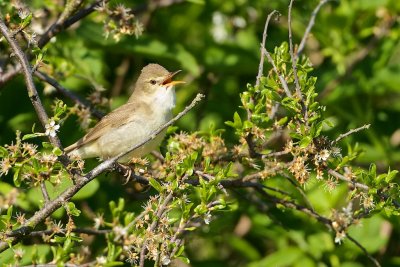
<point>149,107</point>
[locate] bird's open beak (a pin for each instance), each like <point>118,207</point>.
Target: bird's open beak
<point>168,80</point>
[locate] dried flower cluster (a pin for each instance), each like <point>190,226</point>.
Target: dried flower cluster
<point>119,21</point>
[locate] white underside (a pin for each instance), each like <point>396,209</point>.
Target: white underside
<point>139,129</point>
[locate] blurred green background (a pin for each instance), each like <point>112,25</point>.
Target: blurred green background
<point>355,50</point>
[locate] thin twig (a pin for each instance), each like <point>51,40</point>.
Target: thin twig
<point>92,263</point>
<point>160,211</point>
<point>27,71</point>
<point>45,194</point>
<point>281,78</point>
<point>309,27</point>
<point>9,74</point>
<point>300,190</point>
<point>344,178</point>
<point>264,39</point>
<point>60,25</point>
<point>366,126</point>
<point>67,93</point>
<point>65,196</point>
<point>363,187</point>
<point>87,231</point>
<point>292,56</point>
<point>293,205</point>
<point>377,264</point>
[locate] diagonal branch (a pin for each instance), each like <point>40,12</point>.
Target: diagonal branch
<point>65,22</point>
<point>264,39</point>
<point>309,27</point>
<point>65,196</point>
<point>27,72</point>
<point>67,93</point>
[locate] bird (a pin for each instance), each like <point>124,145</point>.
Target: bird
<point>149,107</point>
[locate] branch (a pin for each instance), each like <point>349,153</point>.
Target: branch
<point>281,78</point>
<point>362,186</point>
<point>63,22</point>
<point>88,231</point>
<point>318,217</point>
<point>344,178</point>
<point>27,71</point>
<point>341,136</point>
<point>11,73</point>
<point>65,196</point>
<point>309,27</point>
<point>292,56</point>
<point>45,194</point>
<point>363,250</point>
<point>160,211</point>
<point>262,48</point>
<point>67,93</point>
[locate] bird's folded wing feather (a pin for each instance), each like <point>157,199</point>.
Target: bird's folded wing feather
<point>113,120</point>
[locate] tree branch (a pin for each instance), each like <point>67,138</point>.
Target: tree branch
<point>262,48</point>
<point>281,78</point>
<point>341,136</point>
<point>67,93</point>
<point>64,22</point>
<point>309,27</point>
<point>27,72</point>
<point>65,196</point>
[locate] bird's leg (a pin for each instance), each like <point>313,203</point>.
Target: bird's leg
<point>126,171</point>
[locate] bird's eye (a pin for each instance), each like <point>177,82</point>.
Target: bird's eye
<point>153,82</point>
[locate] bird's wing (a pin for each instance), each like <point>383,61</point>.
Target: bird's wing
<point>113,120</point>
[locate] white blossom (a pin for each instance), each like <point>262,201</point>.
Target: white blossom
<point>52,128</point>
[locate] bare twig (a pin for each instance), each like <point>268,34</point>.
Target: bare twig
<point>264,39</point>
<point>11,73</point>
<point>65,196</point>
<point>366,126</point>
<point>344,178</point>
<point>292,56</point>
<point>300,190</point>
<point>87,231</point>
<point>309,27</point>
<point>377,264</point>
<point>65,21</point>
<point>45,194</point>
<point>293,205</point>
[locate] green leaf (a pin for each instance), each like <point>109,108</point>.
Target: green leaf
<point>305,141</point>
<point>156,185</point>
<point>184,259</point>
<point>391,175</point>
<point>33,135</point>
<point>57,151</point>
<point>72,209</point>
